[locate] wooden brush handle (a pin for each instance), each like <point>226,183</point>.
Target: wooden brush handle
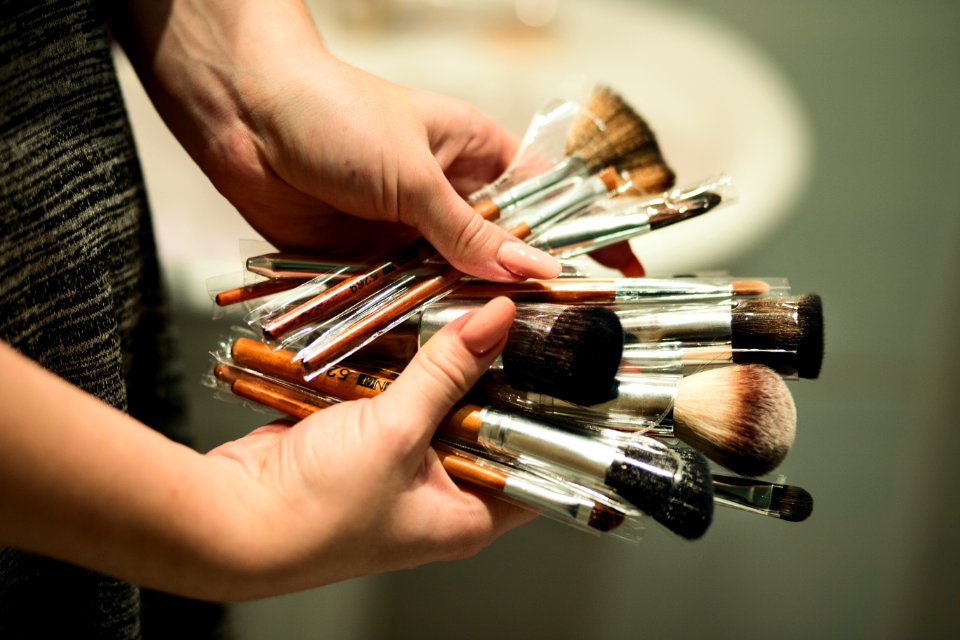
<point>356,288</point>
<point>462,422</point>
<point>283,400</point>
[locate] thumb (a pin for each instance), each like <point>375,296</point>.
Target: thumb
<point>476,246</point>
<point>445,368</point>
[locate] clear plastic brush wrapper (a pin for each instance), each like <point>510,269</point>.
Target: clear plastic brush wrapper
<point>622,216</point>
<point>575,505</point>
<point>623,291</point>
<point>639,404</point>
<point>572,504</point>
<point>785,333</point>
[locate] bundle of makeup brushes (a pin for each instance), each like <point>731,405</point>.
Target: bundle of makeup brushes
<point>614,400</point>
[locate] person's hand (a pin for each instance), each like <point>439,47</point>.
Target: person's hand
<point>356,489</point>
<point>295,138</point>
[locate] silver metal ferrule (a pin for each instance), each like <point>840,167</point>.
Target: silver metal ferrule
<point>587,233</point>
<point>518,435</point>
<point>641,403</point>
<point>515,195</point>
<point>701,324</point>
<point>565,204</point>
<point>539,495</point>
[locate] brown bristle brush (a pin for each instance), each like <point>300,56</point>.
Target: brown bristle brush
<point>741,416</point>
<point>606,132</point>
<point>611,132</point>
<point>572,352</point>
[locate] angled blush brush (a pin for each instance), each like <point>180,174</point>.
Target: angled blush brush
<point>782,501</point>
<point>677,492</point>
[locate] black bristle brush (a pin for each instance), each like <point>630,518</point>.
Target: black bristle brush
<point>572,352</point>
<point>784,333</point>
<point>674,488</point>
<point>782,501</point>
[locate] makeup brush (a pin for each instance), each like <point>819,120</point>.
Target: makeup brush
<point>782,332</point>
<point>560,501</point>
<point>674,491</point>
<point>782,501</point>
<point>606,132</point>
<point>576,359</point>
<point>609,290</point>
<point>741,416</point>
<point>587,233</point>
<point>574,351</point>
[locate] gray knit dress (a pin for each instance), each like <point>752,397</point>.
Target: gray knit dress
<point>79,281</point>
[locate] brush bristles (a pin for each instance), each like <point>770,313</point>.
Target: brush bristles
<point>610,132</point>
<point>673,488</point>
<point>785,334</point>
<point>742,417</point>
<point>791,503</point>
<point>573,355</point>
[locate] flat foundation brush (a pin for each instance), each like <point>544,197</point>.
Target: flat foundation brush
<point>676,492</point>
<point>781,501</point>
<point>562,502</point>
<point>742,416</point>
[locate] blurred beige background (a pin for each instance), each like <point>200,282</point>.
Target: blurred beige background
<point>837,123</point>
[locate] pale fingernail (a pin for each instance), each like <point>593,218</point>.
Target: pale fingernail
<point>525,261</point>
<point>487,326</point>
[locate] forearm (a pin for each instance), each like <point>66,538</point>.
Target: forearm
<point>87,484</point>
<point>209,64</point>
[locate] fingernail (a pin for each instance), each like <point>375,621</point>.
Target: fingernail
<point>486,327</point>
<point>525,261</point>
